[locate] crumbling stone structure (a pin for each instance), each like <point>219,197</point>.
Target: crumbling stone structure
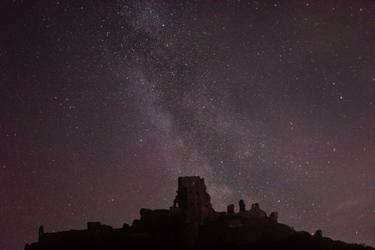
<point>256,212</point>
<point>190,222</point>
<point>230,209</point>
<point>274,216</point>
<point>242,206</point>
<point>192,199</point>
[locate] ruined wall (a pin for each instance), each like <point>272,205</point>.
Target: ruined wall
<point>192,199</point>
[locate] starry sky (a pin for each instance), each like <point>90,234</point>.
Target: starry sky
<point>105,103</point>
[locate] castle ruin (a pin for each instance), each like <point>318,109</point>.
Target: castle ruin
<point>191,221</point>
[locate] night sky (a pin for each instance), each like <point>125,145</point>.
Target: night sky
<point>105,103</point>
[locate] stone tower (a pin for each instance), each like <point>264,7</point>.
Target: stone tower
<point>192,199</point>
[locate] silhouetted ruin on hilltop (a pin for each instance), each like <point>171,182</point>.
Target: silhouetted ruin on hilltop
<point>191,223</point>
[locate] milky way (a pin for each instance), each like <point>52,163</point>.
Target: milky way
<point>105,103</point>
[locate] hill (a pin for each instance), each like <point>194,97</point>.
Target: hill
<point>192,223</point>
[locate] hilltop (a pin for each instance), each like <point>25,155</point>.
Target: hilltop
<point>192,223</point>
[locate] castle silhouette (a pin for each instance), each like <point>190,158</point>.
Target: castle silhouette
<point>191,223</point>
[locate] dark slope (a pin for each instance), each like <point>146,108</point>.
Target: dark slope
<point>191,223</point>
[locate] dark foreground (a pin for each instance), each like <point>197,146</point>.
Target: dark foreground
<point>192,223</point>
